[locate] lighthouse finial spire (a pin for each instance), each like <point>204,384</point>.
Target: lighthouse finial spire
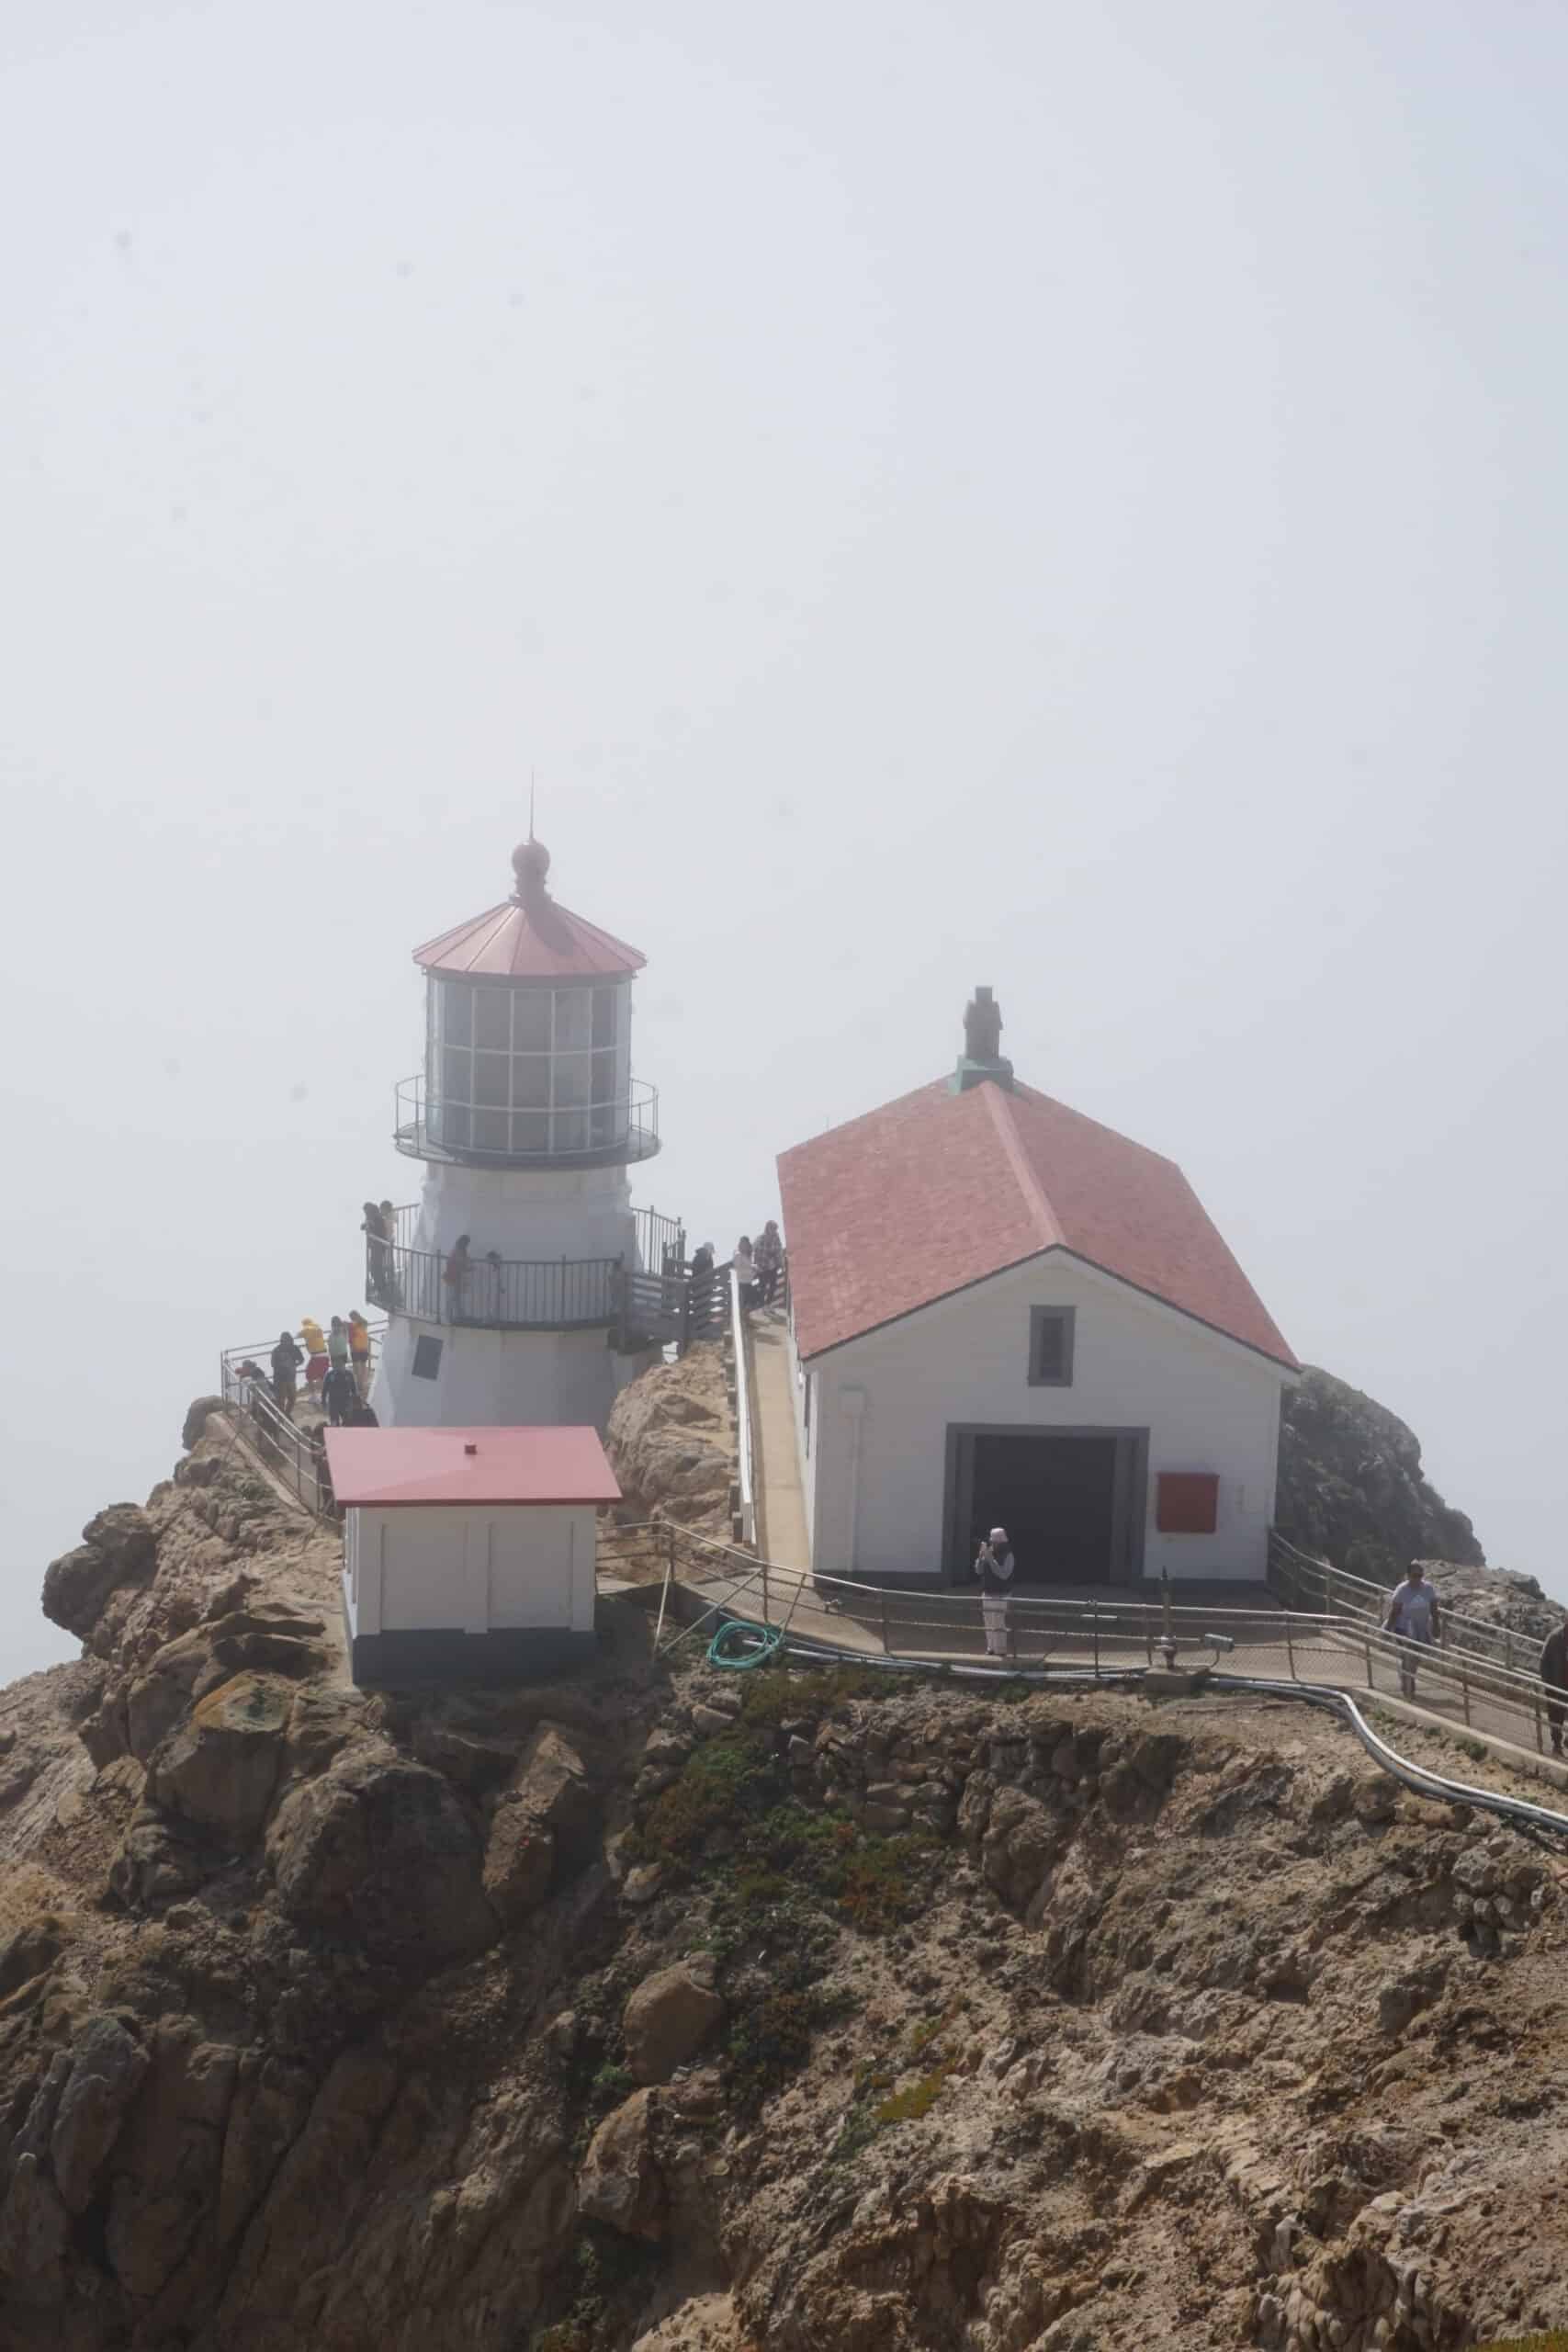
<point>530,861</point>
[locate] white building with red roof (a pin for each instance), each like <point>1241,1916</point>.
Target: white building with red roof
<point>522,1286</point>
<point>1004,1313</point>
<point>468,1551</point>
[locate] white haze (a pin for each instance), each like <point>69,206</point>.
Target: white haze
<point>1073,497</point>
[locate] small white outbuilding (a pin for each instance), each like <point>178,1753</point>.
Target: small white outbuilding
<point>468,1551</point>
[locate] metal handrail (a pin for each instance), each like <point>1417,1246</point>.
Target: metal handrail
<point>285,1450</point>
<point>627,1129</point>
<point>1360,1595</point>
<point>1518,1697</point>
<point>496,1294</point>
<point>745,1450</point>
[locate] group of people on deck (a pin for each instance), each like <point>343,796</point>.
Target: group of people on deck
<point>336,1365</point>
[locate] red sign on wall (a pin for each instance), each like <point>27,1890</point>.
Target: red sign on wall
<point>1186,1502</point>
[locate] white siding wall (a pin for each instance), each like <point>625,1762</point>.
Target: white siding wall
<point>421,1569</point>
<point>499,1379</point>
<point>1206,1403</point>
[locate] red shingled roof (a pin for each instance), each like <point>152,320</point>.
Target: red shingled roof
<point>939,1190</point>
<point>536,942</point>
<point>485,1466</point>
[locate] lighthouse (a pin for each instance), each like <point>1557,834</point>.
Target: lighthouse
<point>523,1287</point>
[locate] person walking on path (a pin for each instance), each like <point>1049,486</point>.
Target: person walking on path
<point>994,1564</point>
<point>769,1255</point>
<point>1413,1616</point>
<point>1553,1672</point>
<point>340,1395</point>
<point>337,1343</point>
<point>285,1362</point>
<point>359,1350</point>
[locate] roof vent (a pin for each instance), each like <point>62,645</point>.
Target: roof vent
<point>471,1449</point>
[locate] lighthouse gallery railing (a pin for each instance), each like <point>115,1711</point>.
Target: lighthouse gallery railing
<point>656,1301</point>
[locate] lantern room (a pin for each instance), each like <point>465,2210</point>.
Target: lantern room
<point>527,1061</point>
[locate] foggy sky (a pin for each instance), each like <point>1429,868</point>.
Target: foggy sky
<point>1067,496</point>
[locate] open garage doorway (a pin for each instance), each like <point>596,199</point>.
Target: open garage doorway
<point>1072,1500</point>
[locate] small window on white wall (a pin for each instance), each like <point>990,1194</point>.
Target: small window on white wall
<point>1051,1337</point>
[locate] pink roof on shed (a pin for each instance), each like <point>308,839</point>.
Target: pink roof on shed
<point>939,1190</point>
<point>518,1466</point>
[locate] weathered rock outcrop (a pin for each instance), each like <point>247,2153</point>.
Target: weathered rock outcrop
<point>118,1548</point>
<point>671,1443</point>
<point>1351,1487</point>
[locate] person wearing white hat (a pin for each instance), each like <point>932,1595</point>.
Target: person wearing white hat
<point>994,1565</point>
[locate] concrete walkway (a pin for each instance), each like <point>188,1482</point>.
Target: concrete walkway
<point>943,1628</point>
<point>781,1507</point>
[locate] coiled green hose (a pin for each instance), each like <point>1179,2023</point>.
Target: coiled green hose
<point>762,1643</point>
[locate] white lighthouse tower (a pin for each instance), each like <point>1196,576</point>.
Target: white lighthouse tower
<point>523,1287</point>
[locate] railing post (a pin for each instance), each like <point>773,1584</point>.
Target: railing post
<point>1290,1646</point>
<point>1369,1682</point>
<point>766,1619</point>
<point>886,1652</point>
<point>1094,1624</point>
<point>1535,1709</point>
<point>1464,1691</point>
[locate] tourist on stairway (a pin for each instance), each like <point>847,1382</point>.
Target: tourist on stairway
<point>314,1342</point>
<point>994,1565</point>
<point>340,1395</point>
<point>359,1350</point>
<point>337,1342</point>
<point>287,1359</point>
<point>769,1254</point>
<point>1413,1616</point>
<point>1553,1672</point>
<point>700,1297</point>
<point>745,1269</point>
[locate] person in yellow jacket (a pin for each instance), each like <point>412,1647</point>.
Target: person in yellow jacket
<point>314,1340</point>
<point>359,1350</point>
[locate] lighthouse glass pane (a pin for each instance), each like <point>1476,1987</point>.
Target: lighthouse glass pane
<point>531,1021</point>
<point>573,1018</point>
<point>604,1016</point>
<point>530,1131</point>
<point>491,1130</point>
<point>492,1074</point>
<point>455,1074</point>
<point>492,1018</point>
<point>531,1081</point>
<point>456,1014</point>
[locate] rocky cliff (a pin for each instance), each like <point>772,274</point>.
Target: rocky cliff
<point>1351,1487</point>
<point>755,2013</point>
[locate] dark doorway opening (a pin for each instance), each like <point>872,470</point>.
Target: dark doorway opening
<point>1072,1501</point>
